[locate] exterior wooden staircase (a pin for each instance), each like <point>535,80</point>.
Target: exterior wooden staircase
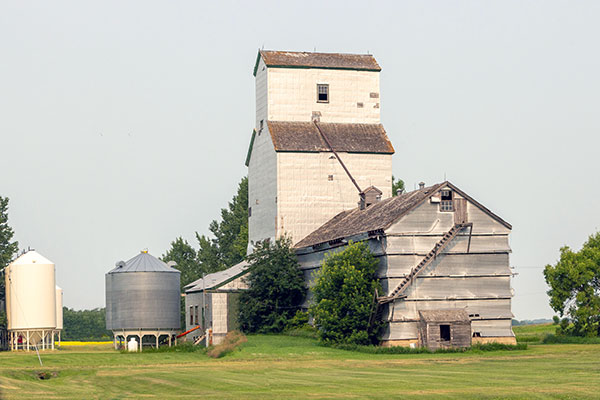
<point>408,279</point>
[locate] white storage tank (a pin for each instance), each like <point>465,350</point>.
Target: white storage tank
<point>31,293</point>
<point>33,303</point>
<point>59,308</point>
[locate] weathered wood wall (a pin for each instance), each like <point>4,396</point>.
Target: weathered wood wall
<point>460,335</point>
<point>478,281</point>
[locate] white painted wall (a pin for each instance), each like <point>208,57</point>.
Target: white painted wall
<point>262,189</point>
<point>261,94</point>
<point>292,95</point>
<point>219,313</point>
<point>306,198</point>
<point>290,192</point>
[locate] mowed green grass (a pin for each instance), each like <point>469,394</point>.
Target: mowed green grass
<point>533,333</point>
<point>270,367</point>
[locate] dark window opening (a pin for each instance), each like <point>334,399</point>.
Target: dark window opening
<point>262,123</point>
<point>196,314</point>
<point>191,315</point>
<point>323,93</point>
<point>476,334</point>
<point>249,211</point>
<point>445,333</point>
<point>330,178</point>
<point>446,202</point>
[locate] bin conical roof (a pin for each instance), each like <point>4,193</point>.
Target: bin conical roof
<point>31,257</point>
<point>143,262</point>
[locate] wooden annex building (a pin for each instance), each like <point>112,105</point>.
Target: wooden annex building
<point>439,250</point>
<point>212,303</point>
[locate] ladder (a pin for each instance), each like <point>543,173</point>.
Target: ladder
<point>408,279</point>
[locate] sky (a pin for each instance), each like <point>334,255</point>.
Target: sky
<point>124,125</point>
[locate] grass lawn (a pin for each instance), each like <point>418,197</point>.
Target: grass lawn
<point>293,367</point>
<point>533,333</point>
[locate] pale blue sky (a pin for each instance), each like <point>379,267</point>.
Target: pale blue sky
<point>126,124</point>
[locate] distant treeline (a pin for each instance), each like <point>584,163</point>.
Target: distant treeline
<point>85,325</point>
<point>516,322</point>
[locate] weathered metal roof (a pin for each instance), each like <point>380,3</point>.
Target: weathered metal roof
<point>143,262</point>
<point>216,279</point>
<point>352,138</point>
<point>451,315</point>
<point>380,215</point>
<point>302,59</point>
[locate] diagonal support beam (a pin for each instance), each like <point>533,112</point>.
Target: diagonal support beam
<point>337,156</point>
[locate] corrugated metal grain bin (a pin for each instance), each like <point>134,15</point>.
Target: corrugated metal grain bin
<point>142,294</point>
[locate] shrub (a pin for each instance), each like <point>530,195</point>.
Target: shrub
<point>343,293</point>
<point>276,288</point>
<point>299,320</point>
<point>563,339</point>
<point>421,350</point>
<point>232,341</point>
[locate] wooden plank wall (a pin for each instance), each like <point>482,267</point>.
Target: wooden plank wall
<point>477,280</point>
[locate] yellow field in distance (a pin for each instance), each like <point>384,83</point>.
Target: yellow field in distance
<point>75,343</point>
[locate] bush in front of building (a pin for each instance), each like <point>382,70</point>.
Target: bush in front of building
<point>232,342</point>
<point>343,297</point>
<point>276,288</point>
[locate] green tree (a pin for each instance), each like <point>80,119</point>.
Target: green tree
<point>8,249</point>
<point>276,288</point>
<point>575,288</point>
<point>228,246</point>
<point>343,296</point>
<point>397,185</point>
<point>187,263</point>
<point>84,324</point>
<point>184,255</point>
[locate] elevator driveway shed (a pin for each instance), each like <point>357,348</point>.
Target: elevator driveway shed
<point>444,329</point>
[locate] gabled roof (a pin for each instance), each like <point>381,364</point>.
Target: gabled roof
<point>450,315</point>
<point>381,215</point>
<point>302,59</point>
<point>217,279</point>
<point>352,138</point>
<point>143,262</point>
<point>371,189</point>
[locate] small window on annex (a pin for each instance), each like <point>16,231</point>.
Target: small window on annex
<point>446,201</point>
<point>322,93</point>
<point>445,333</point>
<point>191,315</point>
<point>196,314</point>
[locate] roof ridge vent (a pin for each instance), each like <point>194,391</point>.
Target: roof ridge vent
<point>120,264</point>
